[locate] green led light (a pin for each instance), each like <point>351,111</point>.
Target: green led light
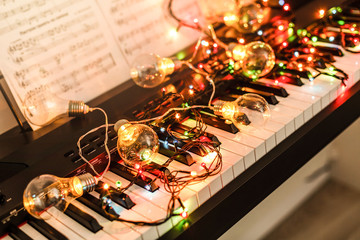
<point>186,133</point>
<point>314,38</point>
<point>118,184</point>
<point>181,55</point>
<point>291,25</point>
<point>341,22</point>
<point>339,9</point>
<point>298,32</point>
<point>331,68</point>
<point>291,31</point>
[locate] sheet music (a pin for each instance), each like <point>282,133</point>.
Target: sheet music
<point>143,26</point>
<point>81,49</point>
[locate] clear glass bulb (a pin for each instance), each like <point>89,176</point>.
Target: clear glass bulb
<point>259,59</point>
<point>150,70</point>
<point>47,191</point>
<point>43,107</point>
<point>246,109</point>
<point>137,143</point>
<point>237,51</point>
<point>246,19</point>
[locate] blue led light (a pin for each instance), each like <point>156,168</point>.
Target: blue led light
<point>260,32</point>
<point>281,2</point>
<point>311,79</point>
<point>296,54</point>
<point>331,39</point>
<point>333,11</point>
<point>162,129</point>
<point>191,86</point>
<point>147,187</point>
<point>166,144</point>
<point>208,51</point>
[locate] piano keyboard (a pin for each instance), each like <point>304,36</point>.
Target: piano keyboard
<point>239,152</point>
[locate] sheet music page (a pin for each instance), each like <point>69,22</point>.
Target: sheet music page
<point>145,26</point>
<point>80,49</point>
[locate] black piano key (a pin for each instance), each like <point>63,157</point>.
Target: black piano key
<point>215,121</point>
<point>169,151</point>
<point>17,234</point>
<point>205,136</point>
<point>287,78</point>
<point>45,229</point>
<point>83,218</point>
<point>143,181</point>
<point>96,205</point>
<point>269,97</point>
<point>120,198</point>
<point>277,90</point>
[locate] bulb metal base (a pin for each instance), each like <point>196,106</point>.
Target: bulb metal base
<point>77,108</point>
<point>88,182</point>
<point>218,107</point>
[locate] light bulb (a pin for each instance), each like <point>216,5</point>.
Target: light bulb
<point>150,70</point>
<point>246,19</point>
<point>47,191</point>
<point>246,109</point>
<point>137,144</point>
<point>259,59</point>
<point>238,52</point>
<point>43,107</point>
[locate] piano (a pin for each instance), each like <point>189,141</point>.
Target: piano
<point>255,163</point>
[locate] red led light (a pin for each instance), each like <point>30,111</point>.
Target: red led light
<point>137,166</point>
<point>215,45</point>
<point>352,29</point>
<point>200,65</point>
<point>284,44</point>
<point>191,92</point>
<point>184,214</point>
<point>106,186</point>
<point>203,165</point>
<point>312,50</point>
<point>356,41</point>
<point>140,171</point>
<point>177,116</point>
<point>305,39</point>
<point>286,7</point>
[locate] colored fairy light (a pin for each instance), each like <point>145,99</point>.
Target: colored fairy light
<point>147,187</point>
<point>311,79</point>
<point>193,173</point>
<point>300,65</point>
<point>341,22</point>
<point>281,2</point>
<point>305,39</point>
<point>137,166</point>
<point>208,51</point>
<point>203,165</point>
<point>284,44</point>
<point>321,13</point>
<point>241,40</point>
<point>118,184</point>
<point>286,7</point>
<point>314,38</point>
<point>162,129</point>
<point>215,45</point>
<point>196,20</point>
<point>184,214</point>
<point>331,38</point>
<point>356,41</point>
<point>106,186</point>
<point>200,65</point>
<point>177,115</point>
<point>309,58</point>
<point>296,54</point>
<point>260,32</point>
<point>191,86</point>
<point>204,43</point>
<point>281,27</point>
<point>334,11</point>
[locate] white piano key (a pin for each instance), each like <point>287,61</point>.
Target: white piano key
<point>278,128</point>
<point>75,226</point>
<point>306,107</point>
<point>115,229</point>
<point>144,210</point>
<point>65,230</point>
<point>236,147</point>
<point>32,232</point>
